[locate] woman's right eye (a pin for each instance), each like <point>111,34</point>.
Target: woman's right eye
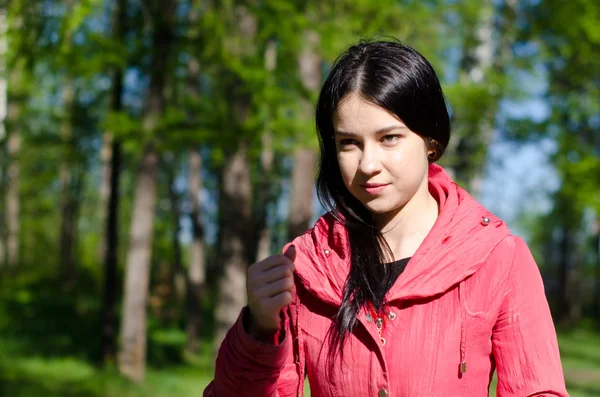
<point>347,142</point>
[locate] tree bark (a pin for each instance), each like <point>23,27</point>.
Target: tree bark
<point>108,346</point>
<point>574,287</point>
<point>261,230</point>
<point>13,202</point>
<point>469,139</point>
<point>176,272</point>
<point>565,257</point>
<point>111,162</point>
<point>234,217</point>
<point>106,162</point>
<point>484,60</point>
<point>235,200</point>
<point>597,255</point>
<point>309,65</point>
<point>3,116</point>
<point>197,268</point>
<point>261,243</point>
<point>13,106</point>
<point>195,286</point>
<point>68,181</point>
<point>132,354</point>
<point>495,59</point>
<point>302,192</point>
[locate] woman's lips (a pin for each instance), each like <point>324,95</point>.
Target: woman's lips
<point>374,188</point>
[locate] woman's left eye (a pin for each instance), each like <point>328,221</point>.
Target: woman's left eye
<point>391,138</point>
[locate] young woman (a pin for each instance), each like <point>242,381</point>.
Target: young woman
<point>408,286</point>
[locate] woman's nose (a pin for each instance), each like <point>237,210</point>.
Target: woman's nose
<point>370,161</point>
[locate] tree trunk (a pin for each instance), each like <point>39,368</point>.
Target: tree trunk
<point>302,192</point>
<point>234,217</point>
<point>490,59</point>
<point>195,287</point>
<point>12,114</point>
<point>235,201</point>
<point>109,191</point>
<point>305,158</point>
<point>132,354</point>
<point>574,287</point>
<point>12,195</point>
<point>106,162</point>
<point>261,243</point>
<point>196,272</point>
<point>563,276</point>
<point>3,114</point>
<point>597,255</point>
<point>569,297</point>
<point>484,58</point>
<point>470,139</point>
<point>597,241</point>
<point>3,69</point>
<point>176,272</point>
<point>261,231</point>
<point>108,346</point>
<point>68,182</point>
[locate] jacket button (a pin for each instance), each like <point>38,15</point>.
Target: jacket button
<point>382,393</point>
<point>326,252</point>
<point>485,221</point>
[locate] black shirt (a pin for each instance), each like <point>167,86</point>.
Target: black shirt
<point>397,268</point>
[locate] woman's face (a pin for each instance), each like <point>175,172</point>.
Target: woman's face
<point>383,163</point>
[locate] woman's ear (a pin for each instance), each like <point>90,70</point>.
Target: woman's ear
<point>433,152</point>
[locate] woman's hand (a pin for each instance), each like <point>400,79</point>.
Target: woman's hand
<point>270,286</point>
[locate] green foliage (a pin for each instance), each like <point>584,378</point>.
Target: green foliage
<point>78,13</point>
<point>235,98</point>
<point>122,125</point>
<point>569,51</point>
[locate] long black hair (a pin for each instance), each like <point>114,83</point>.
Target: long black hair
<point>397,78</point>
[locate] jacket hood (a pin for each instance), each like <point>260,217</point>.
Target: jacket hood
<point>459,243</point>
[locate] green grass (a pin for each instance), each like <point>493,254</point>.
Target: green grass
<point>47,340</point>
<point>33,376</point>
<point>40,376</point>
<point>580,353</point>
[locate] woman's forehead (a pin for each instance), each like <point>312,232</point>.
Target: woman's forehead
<point>355,115</point>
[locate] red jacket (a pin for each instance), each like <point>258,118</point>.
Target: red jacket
<point>470,301</point>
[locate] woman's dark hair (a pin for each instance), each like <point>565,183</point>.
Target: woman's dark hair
<point>397,78</point>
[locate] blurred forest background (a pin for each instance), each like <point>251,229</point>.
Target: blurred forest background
<point>152,149</point>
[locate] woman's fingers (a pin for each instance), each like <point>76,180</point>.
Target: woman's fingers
<point>276,287</point>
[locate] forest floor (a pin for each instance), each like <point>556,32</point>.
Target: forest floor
<point>47,340</point>
<point>27,375</point>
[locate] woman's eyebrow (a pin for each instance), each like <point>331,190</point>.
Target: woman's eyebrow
<point>380,131</point>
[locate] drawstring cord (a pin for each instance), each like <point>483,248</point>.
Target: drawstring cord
<point>294,322</point>
<point>463,326</point>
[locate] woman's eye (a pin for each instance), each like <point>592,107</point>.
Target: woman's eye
<point>391,138</point>
<point>347,142</point>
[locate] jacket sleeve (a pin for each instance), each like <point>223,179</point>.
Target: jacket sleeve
<point>248,368</point>
<point>524,339</point>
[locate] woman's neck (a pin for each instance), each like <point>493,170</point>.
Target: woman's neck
<point>406,228</point>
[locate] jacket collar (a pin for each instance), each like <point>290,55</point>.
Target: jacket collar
<point>459,243</point>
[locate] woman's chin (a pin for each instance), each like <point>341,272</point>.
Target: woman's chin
<point>379,209</point>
